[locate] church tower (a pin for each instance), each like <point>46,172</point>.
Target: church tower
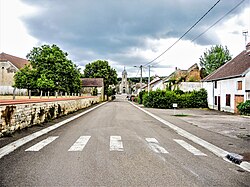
<point>124,87</point>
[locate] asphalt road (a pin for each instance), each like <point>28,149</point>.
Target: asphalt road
<point>116,145</point>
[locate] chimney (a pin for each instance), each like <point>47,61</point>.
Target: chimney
<point>248,47</point>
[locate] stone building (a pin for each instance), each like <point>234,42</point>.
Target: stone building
<point>9,65</point>
<point>124,86</point>
<point>89,85</point>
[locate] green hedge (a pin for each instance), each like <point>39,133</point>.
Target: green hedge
<point>244,108</point>
<point>165,99</point>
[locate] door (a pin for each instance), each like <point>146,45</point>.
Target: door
<point>219,103</point>
<point>237,99</point>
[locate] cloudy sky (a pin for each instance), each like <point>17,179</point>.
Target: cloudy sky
<point>125,32</point>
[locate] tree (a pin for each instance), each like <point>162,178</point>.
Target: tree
<point>101,69</point>
<point>55,72</point>
<point>214,58</point>
<point>25,78</point>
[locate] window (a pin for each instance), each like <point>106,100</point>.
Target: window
<point>239,85</point>
<point>215,84</point>
<point>215,100</point>
<point>228,98</point>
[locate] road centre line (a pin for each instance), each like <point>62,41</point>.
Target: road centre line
<point>18,143</point>
<point>154,145</point>
<point>42,144</point>
<point>80,143</point>
<point>214,149</point>
<point>116,143</point>
<point>190,148</point>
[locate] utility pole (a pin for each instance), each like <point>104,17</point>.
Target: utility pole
<point>148,79</point>
<point>141,66</point>
<point>141,79</point>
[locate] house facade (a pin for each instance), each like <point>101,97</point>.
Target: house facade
<point>88,85</point>
<point>230,84</point>
<point>9,65</point>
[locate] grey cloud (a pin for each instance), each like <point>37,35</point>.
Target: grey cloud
<point>109,29</point>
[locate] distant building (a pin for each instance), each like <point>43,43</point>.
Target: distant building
<point>9,65</point>
<point>124,86</point>
<point>185,80</point>
<point>89,85</point>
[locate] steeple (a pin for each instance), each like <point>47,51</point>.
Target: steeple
<point>124,72</point>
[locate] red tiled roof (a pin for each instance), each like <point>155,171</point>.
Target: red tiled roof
<point>16,61</point>
<point>92,82</point>
<point>234,68</point>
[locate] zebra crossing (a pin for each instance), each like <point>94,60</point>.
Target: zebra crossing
<point>116,144</point>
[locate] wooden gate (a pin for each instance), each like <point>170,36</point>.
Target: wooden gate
<point>237,99</point>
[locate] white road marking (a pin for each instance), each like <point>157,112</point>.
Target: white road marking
<point>190,148</point>
<point>80,143</point>
<point>18,143</point>
<point>116,143</point>
<point>42,144</point>
<point>154,145</point>
<point>214,149</point>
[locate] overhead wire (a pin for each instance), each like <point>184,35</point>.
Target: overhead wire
<point>218,21</point>
<point>182,35</point>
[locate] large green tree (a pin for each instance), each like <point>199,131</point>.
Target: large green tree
<point>214,58</point>
<point>101,69</point>
<point>26,78</point>
<point>52,70</point>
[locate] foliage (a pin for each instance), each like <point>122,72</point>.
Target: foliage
<point>50,70</point>
<point>140,98</point>
<point>25,78</point>
<point>111,91</point>
<point>244,108</point>
<point>101,69</point>
<point>213,58</point>
<point>165,99</point>
<point>94,91</point>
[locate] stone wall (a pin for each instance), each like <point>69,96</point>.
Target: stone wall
<point>19,116</point>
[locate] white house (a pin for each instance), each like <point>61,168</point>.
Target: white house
<point>9,65</point>
<point>230,84</point>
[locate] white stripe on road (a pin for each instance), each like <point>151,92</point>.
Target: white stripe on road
<point>154,145</point>
<point>190,148</point>
<point>116,143</point>
<point>18,143</point>
<point>214,149</point>
<point>80,143</point>
<point>42,144</point>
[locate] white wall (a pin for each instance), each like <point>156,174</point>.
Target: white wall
<point>158,85</point>
<point>190,86</point>
<point>228,86</point>
<point>210,96</point>
<point>8,90</point>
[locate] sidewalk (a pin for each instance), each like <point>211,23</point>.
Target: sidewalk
<point>225,130</point>
<point>231,125</point>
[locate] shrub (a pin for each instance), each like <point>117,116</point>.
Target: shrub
<point>244,108</point>
<point>140,99</point>
<point>165,99</point>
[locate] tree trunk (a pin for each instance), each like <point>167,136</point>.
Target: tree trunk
<point>48,94</point>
